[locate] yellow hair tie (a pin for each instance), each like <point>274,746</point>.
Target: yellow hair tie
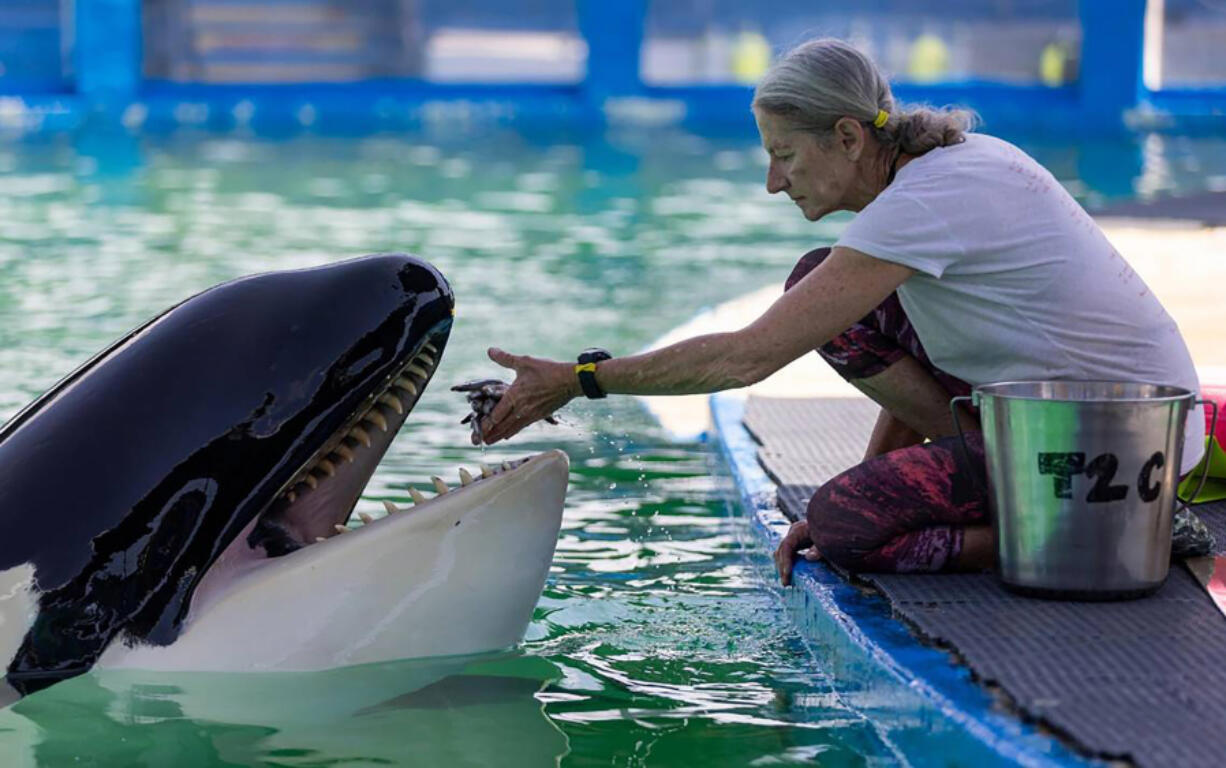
<point>880,120</point>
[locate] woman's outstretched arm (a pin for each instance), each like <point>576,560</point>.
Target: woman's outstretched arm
<point>844,288</point>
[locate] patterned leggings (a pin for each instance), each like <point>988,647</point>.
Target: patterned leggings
<point>903,511</point>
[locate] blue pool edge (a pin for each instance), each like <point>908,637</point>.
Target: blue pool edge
<point>869,651</point>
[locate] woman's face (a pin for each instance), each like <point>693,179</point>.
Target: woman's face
<point>819,176</point>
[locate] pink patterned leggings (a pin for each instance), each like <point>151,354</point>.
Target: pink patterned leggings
<point>903,511</point>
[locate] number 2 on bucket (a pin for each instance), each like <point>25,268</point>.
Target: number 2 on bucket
<point>1064,466</point>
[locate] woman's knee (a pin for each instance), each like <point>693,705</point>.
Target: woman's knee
<point>807,264</point>
<point>863,349</point>
<point>838,529</point>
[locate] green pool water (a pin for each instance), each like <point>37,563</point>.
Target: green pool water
<point>658,639</point>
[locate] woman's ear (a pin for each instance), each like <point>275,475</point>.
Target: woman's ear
<point>849,137</point>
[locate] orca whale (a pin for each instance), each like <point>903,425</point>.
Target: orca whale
<point>178,502</point>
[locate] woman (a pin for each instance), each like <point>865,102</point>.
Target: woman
<point>961,242</point>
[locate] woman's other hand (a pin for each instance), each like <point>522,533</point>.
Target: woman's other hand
<point>796,539</point>
<point>540,388</point>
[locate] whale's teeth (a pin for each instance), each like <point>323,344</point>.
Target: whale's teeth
<point>360,435</point>
<point>319,539</point>
<point>291,497</point>
<point>426,359</point>
<point>310,480</point>
<point>390,507</point>
<point>506,466</point>
<point>391,401</point>
<point>413,368</point>
<point>405,383</point>
<point>417,496</point>
<point>343,451</point>
<point>376,418</point>
<point>465,477</point>
<point>365,518</point>
<point>340,528</point>
<point>430,348</point>
<point>439,485</point>
<point>327,467</point>
<point>486,471</point>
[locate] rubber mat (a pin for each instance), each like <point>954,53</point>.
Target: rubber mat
<point>1207,208</point>
<point>1143,680</point>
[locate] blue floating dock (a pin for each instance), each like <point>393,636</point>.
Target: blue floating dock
<point>954,669</point>
<point>928,707</point>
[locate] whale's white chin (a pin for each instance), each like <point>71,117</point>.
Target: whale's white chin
<point>458,574</point>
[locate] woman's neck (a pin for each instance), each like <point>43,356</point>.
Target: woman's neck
<point>877,173</point>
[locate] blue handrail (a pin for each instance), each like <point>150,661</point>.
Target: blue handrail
<point>106,72</point>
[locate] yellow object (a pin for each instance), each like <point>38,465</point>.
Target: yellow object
<point>1215,486</point>
<point>1052,61</point>
<point>929,59</point>
<point>751,56</point>
<point>882,117</point>
<point>589,367</point>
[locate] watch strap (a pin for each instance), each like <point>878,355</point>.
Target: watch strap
<point>586,371</point>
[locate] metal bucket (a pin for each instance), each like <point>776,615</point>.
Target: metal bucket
<point>1082,478</point>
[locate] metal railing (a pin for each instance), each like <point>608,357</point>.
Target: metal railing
<point>386,62</point>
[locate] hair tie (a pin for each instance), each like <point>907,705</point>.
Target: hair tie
<point>880,120</point>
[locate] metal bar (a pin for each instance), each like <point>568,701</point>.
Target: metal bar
<point>108,49</point>
<point>614,33</point>
<point>1112,50</point>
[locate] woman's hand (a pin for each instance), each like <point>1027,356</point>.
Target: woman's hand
<point>540,388</point>
<point>796,539</point>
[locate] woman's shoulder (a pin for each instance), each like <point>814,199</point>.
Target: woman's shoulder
<point>977,162</point>
<point>974,148</point>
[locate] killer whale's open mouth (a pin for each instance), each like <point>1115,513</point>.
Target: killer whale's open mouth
<point>320,498</point>
<point>318,502</point>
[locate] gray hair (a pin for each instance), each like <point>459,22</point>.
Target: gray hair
<point>820,81</point>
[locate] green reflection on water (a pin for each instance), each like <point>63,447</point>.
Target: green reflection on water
<point>653,643</point>
<point>441,712</point>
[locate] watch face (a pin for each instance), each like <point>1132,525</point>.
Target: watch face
<point>594,355</point>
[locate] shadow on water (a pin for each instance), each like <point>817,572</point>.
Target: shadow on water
<point>440,712</point>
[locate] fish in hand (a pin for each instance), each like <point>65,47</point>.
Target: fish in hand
<point>483,396</point>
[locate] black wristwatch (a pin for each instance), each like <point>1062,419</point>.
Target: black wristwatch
<point>586,371</point>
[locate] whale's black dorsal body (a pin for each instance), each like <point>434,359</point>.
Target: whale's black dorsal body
<point>124,482</point>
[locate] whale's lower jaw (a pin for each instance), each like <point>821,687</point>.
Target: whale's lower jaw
<point>459,574</point>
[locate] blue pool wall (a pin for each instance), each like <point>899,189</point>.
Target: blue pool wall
<point>105,82</point>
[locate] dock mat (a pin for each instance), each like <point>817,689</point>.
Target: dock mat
<point>1143,680</point>
<point>1207,208</point>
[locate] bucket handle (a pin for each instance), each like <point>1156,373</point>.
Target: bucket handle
<point>966,452</point>
<point>1204,475</point>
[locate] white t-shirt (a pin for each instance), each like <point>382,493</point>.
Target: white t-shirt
<point>1014,280</point>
